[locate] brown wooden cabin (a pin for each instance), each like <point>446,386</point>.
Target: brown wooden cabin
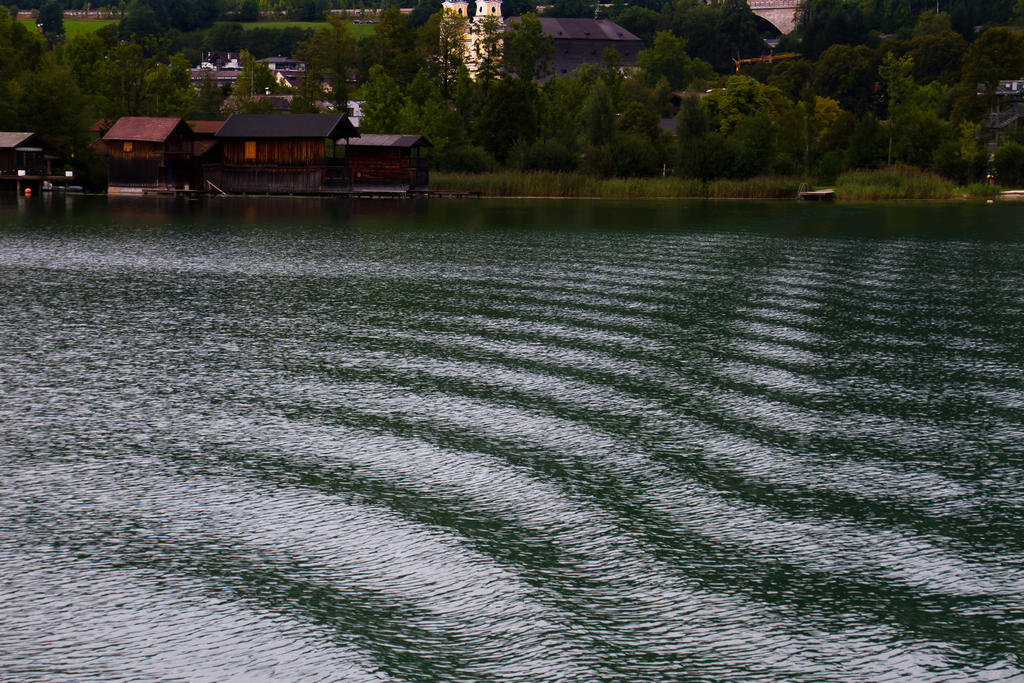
<point>280,154</point>
<point>149,153</point>
<point>392,162</point>
<point>22,152</point>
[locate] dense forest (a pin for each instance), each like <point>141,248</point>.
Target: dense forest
<point>875,82</point>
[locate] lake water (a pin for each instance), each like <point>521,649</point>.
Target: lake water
<point>488,440</point>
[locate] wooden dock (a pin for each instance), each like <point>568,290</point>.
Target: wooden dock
<point>816,195</point>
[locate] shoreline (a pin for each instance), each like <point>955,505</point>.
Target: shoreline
<point>895,183</point>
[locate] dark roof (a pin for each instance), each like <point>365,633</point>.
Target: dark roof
<point>205,127</point>
<point>13,140</point>
<point>373,140</point>
<point>287,126</point>
<point>144,128</point>
<point>585,29</point>
<point>583,41</point>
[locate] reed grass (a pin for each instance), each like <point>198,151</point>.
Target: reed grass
<point>982,191</point>
<point>894,182</point>
<point>546,184</point>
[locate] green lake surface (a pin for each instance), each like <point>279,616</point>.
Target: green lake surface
<point>501,440</point>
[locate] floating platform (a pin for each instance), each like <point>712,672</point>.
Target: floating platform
<point>816,195</point>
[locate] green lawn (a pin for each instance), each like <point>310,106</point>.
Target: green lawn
<point>73,27</point>
<point>358,30</point>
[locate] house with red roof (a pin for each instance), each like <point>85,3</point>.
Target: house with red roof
<point>146,153</point>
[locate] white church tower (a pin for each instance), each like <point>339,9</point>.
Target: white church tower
<point>474,27</point>
<point>459,8</point>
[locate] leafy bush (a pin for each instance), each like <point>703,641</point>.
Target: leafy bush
<point>829,166</point>
<point>467,159</point>
<point>1009,164</point>
<point>543,155</point>
<point>625,156</point>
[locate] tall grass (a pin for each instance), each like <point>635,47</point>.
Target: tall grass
<point>894,182</point>
<point>546,184</point>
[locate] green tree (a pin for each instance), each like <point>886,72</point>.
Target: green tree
<point>636,119</point>
<point>249,11</point>
<point>141,20</point>
<point>755,138</point>
<point>938,57</point>
<point>598,115</point>
<point>426,112</point>
<point>868,144</point>
<point>121,79</point>
<point>330,53</point>
<point>382,103</point>
<point>573,9</point>
<point>1009,164</point>
<point>932,23</point>
<point>169,90</point>
<point>508,114</point>
<point>559,106</point>
<point>51,19</point>
<point>847,75</point>
<point>392,45</point>
<point>896,75</point>
<point>209,99</point>
<point>640,21</point>
<point>998,54</point>
<point>717,33</point>
<point>822,24</point>
<point>706,157</point>
<point>667,59</point>
<point>488,49</point>
<point>527,50</point>
<point>624,155</point>
<point>229,36</point>
<point>254,79</point>
<point>444,40</point>
<point>741,98</point>
<point>691,121</point>
<point>52,105</point>
<point>21,50</point>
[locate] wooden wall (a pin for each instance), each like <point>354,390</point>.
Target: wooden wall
<point>379,165</point>
<point>265,179</point>
<point>138,168</point>
<point>290,152</point>
<point>8,161</point>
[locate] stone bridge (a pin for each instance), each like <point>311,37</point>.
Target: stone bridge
<point>779,13</point>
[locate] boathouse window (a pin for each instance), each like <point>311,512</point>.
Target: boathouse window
<point>250,149</point>
<point>127,148</point>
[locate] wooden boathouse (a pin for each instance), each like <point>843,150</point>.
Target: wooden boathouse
<point>24,165</point>
<point>388,163</point>
<point>146,153</point>
<point>280,154</point>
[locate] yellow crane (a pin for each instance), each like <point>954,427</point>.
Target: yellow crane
<point>767,58</point>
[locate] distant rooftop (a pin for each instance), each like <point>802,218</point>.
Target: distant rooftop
<point>287,126</point>
<point>142,128</point>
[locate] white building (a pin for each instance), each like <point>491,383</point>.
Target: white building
<point>474,29</point>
